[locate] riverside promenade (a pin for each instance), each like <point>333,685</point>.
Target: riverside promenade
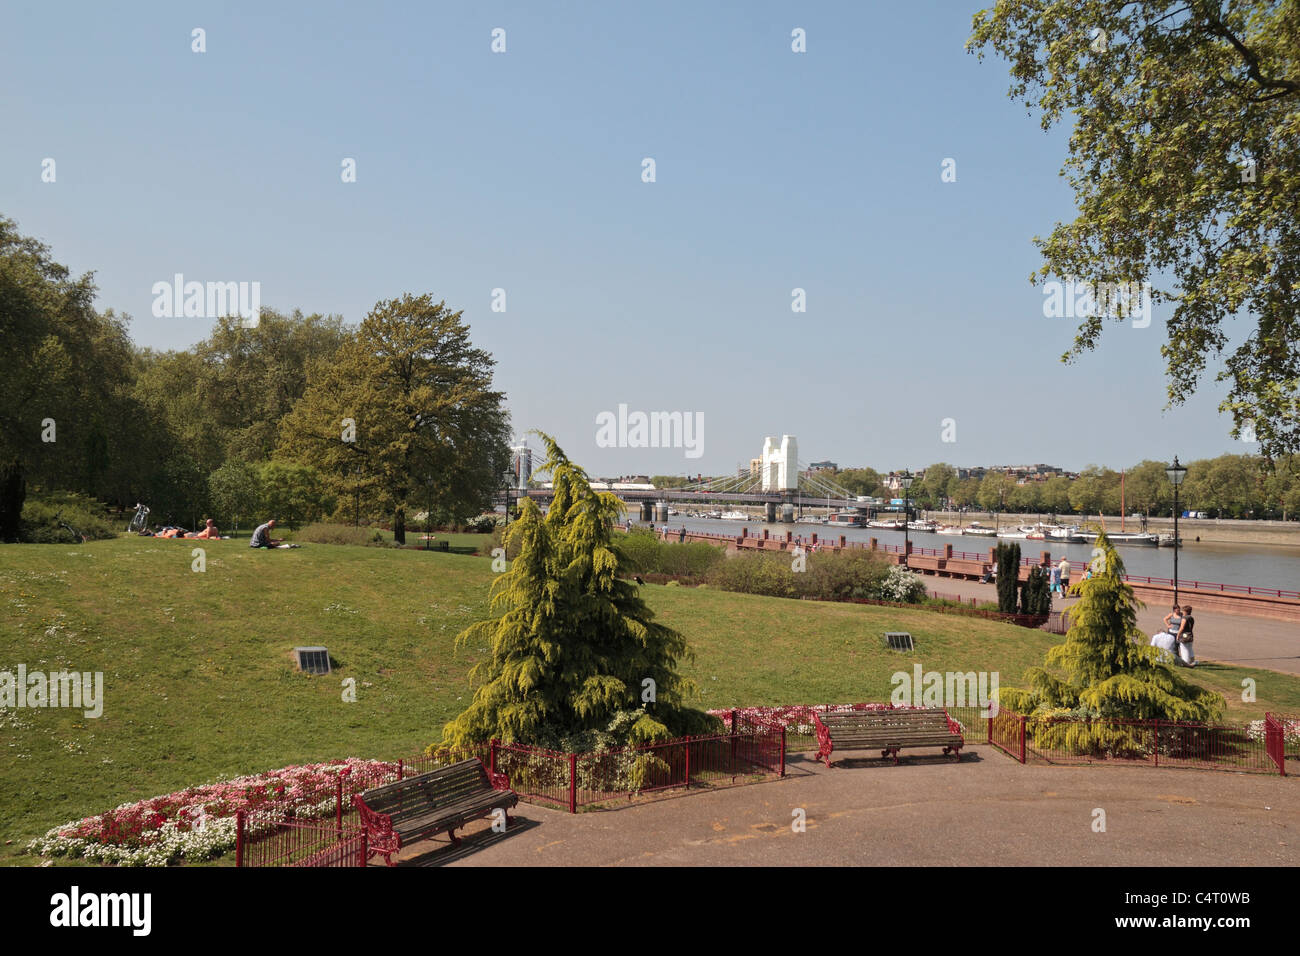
<point>951,566</point>
<point>1220,636</point>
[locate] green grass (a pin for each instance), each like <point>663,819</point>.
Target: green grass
<point>199,682</point>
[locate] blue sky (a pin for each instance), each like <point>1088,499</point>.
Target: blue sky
<point>523,171</point>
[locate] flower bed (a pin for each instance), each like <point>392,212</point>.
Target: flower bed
<point>198,823</point>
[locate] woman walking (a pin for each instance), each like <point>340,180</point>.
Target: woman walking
<point>1184,637</point>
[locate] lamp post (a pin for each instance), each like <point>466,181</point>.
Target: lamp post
<point>905,479</point>
<point>1176,473</point>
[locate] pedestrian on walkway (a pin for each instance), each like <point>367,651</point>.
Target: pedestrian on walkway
<point>1056,579</point>
<point>1064,569</point>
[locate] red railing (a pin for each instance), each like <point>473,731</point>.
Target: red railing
<point>756,749</point>
<point>1154,743</point>
<point>1006,731</point>
<point>1277,729</point>
<point>262,840</point>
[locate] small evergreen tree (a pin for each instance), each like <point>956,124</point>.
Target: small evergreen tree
<point>1008,561</point>
<point>1106,669</point>
<point>1035,593</point>
<point>572,644</point>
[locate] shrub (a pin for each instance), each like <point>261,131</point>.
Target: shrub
<point>756,573</point>
<point>903,586</point>
<point>322,532</point>
<point>642,551</point>
<point>42,514</point>
<point>844,576</point>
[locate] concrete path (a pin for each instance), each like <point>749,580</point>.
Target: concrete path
<point>928,811</point>
<point>1227,638</point>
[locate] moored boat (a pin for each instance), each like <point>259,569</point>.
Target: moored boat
<point>847,519</point>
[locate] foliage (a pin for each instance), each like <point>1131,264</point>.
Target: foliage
<point>235,493</point>
<point>1185,162</point>
<point>324,533</point>
<point>1007,556</point>
<point>647,553</point>
<point>1036,592</point>
<point>64,393</point>
<point>571,644</point>
<point>828,576</point>
<point>42,514</point>
<point>293,494</point>
<point>1106,669</point>
<point>902,586</point>
<point>405,408</point>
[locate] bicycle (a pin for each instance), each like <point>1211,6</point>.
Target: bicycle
<point>139,520</point>
<point>78,537</point>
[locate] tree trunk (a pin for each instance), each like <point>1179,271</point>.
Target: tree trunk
<point>13,492</point>
<point>399,524</point>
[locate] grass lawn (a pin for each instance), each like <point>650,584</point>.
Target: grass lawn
<point>199,681</point>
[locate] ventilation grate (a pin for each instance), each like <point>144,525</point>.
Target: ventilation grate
<point>312,660</point>
<point>899,640</point>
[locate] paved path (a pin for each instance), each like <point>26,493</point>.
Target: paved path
<point>929,811</point>
<point>1228,638</point>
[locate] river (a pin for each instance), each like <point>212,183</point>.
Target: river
<point>1265,566</point>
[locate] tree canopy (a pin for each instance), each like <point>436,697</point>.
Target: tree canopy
<point>406,407</point>
<point>1185,163</point>
<point>572,647</point>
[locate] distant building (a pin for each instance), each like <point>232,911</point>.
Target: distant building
<point>823,466</point>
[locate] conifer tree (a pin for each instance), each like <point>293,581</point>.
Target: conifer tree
<point>572,644</point>
<point>1106,668</point>
<point>1008,561</point>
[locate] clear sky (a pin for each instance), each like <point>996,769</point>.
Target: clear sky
<point>522,171</point>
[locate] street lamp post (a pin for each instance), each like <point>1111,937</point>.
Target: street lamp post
<point>1176,473</point>
<point>905,479</point>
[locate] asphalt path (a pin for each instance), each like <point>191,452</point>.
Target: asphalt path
<point>1227,638</point>
<point>927,811</point>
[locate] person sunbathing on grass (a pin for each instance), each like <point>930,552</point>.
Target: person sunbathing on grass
<point>262,536</point>
<point>209,532</point>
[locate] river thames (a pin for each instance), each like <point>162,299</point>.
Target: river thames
<point>1254,565</point>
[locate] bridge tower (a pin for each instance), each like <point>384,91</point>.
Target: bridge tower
<point>780,465</point>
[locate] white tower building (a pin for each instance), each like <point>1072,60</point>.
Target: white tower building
<point>780,464</point>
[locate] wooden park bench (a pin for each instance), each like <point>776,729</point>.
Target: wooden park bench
<point>430,803</point>
<point>889,730</point>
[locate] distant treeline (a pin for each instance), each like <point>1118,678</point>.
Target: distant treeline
<point>1230,486</point>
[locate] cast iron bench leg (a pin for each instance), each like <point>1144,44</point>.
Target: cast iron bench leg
<point>455,840</point>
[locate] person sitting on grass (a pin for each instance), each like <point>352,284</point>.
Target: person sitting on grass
<point>262,536</point>
<point>209,531</point>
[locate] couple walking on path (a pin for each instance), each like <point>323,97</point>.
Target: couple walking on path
<point>1177,638</point>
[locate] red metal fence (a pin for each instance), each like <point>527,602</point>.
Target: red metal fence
<point>1280,733</point>
<point>1006,731</point>
<point>1154,743</point>
<point>262,840</point>
<point>321,829</point>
